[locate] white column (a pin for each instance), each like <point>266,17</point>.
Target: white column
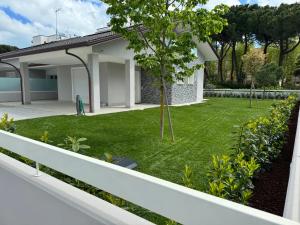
<point>93,65</point>
<point>64,83</point>
<point>129,83</point>
<point>200,83</point>
<point>26,83</point>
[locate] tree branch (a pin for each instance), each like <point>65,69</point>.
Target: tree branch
<point>144,38</point>
<point>293,48</point>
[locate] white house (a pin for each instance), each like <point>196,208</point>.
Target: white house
<point>97,67</point>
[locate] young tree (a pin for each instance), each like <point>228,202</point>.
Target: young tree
<point>268,76</point>
<point>162,33</point>
<point>253,61</point>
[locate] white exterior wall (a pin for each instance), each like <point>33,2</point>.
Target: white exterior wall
<point>116,84</point>
<point>64,83</point>
<point>93,67</point>
<point>103,70</point>
<point>112,84</point>
<point>199,76</point>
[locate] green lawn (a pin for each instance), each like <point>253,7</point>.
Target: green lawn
<point>200,131</point>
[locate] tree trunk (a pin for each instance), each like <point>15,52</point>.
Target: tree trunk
<point>251,94</point>
<point>233,61</point>
<point>266,47</point>
<point>234,67</point>
<point>162,106</point>
<point>267,44</point>
<point>169,113</point>
<point>281,53</point>
<point>246,45</point>
<point>220,69</point>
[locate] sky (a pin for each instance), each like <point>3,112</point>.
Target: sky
<point>20,20</point>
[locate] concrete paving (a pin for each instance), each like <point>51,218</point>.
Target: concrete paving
<point>39,109</point>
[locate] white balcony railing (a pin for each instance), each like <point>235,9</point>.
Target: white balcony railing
<point>292,201</point>
<point>173,201</point>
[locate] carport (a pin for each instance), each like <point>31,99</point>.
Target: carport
<point>98,67</point>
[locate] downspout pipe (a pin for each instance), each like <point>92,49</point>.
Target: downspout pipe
<point>19,74</point>
<point>89,76</point>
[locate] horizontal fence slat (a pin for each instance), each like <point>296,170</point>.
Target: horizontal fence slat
<point>179,203</point>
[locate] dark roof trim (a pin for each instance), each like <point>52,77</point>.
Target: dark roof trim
<point>214,50</point>
<point>76,42</point>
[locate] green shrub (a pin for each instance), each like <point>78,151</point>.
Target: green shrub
<point>269,75</point>
<point>230,177</point>
<point>259,142</point>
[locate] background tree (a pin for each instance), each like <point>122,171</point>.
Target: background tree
<point>222,45</point>
<point>253,61</point>
<point>268,76</point>
<point>235,37</point>
<point>162,34</point>
<point>297,67</point>
<point>262,25</point>
<point>7,48</point>
<point>275,29</point>
<point>286,29</point>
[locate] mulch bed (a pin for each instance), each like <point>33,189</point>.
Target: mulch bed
<point>271,186</point>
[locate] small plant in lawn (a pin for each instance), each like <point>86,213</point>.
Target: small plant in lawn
<point>187,177</point>
<point>74,144</point>
<point>171,222</point>
<point>7,124</point>
<point>45,138</point>
<point>108,157</point>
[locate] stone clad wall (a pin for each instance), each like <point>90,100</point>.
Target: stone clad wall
<point>150,89</point>
<point>184,93</point>
<point>177,93</point>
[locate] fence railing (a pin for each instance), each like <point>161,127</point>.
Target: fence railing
<point>292,201</point>
<point>173,201</point>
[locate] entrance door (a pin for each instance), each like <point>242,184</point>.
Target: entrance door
<point>137,86</point>
<point>80,84</point>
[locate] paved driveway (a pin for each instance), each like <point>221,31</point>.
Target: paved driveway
<point>37,109</point>
<point>54,108</point>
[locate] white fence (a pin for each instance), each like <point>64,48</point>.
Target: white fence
<point>292,201</point>
<point>176,202</point>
